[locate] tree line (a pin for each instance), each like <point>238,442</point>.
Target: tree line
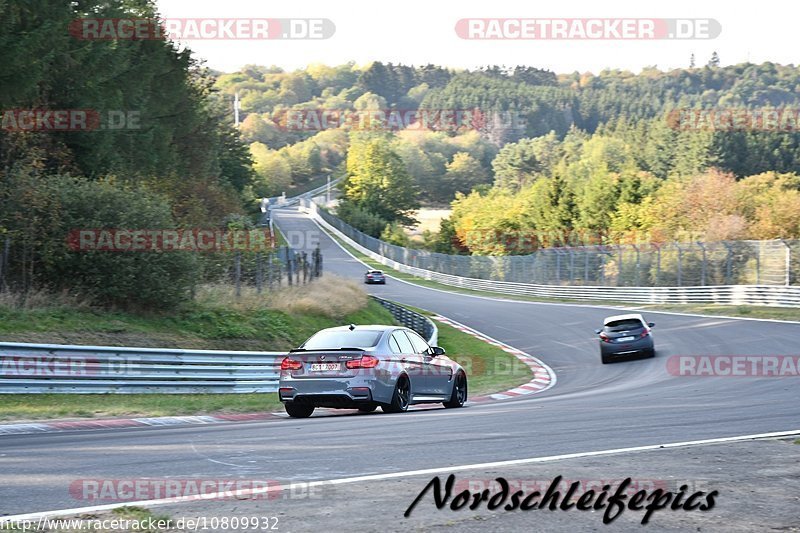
<point>179,163</point>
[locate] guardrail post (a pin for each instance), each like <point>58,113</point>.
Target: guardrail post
<point>558,265</point>
<point>571,266</point>
<point>585,266</point>
<point>680,262</point>
<point>703,268</point>
<point>601,254</point>
<point>788,263</point>
<point>758,264</point>
<point>658,263</point>
<point>728,262</point>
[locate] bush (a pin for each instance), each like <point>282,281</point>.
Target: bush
<point>361,219</point>
<point>40,211</point>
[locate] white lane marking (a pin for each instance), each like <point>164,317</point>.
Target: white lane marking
<point>590,306</point>
<point>392,475</point>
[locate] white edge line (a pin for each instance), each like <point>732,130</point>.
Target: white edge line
<point>591,306</point>
<point>394,475</point>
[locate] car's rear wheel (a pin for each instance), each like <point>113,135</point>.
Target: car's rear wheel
<point>400,398</point>
<point>459,395</point>
<point>298,410</point>
<point>368,408</point>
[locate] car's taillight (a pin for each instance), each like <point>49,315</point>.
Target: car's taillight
<point>604,337</point>
<point>291,364</point>
<point>366,361</point>
<point>645,333</point>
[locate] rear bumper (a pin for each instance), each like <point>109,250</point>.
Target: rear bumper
<point>333,392</point>
<point>629,348</point>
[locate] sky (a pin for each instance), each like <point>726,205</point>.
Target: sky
<point>418,32</point>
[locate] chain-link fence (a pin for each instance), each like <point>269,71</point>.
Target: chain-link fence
<point>646,265</point>
<point>266,271</point>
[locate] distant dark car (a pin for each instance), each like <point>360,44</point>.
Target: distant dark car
<point>375,276</point>
<point>625,335</point>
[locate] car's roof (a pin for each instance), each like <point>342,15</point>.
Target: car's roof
<point>374,270</point>
<point>631,316</point>
<point>371,327</point>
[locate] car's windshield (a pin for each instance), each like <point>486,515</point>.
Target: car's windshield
<point>336,339</point>
<point>620,325</point>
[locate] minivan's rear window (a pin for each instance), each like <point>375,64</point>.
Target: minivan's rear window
<point>333,340</point>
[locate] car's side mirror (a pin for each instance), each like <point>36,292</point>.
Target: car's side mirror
<point>651,324</point>
<point>597,331</point>
<point>437,350</point>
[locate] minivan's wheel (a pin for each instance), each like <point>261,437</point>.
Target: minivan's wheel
<point>368,408</point>
<point>298,410</point>
<point>400,398</point>
<point>459,395</point>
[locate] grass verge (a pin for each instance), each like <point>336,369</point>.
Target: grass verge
<point>742,311</point>
<point>216,320</point>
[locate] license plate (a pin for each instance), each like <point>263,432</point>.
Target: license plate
<point>324,367</point>
<point>625,339</point>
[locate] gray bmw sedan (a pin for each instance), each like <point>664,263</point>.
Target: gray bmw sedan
<point>366,367</point>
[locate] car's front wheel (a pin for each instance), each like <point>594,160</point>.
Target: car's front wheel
<point>400,398</point>
<point>298,410</point>
<point>459,395</point>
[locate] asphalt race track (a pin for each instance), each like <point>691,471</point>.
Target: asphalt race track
<point>592,407</point>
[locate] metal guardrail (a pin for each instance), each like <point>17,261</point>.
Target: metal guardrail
<point>766,295</point>
<point>53,368</point>
<point>412,320</point>
<point>56,368</point>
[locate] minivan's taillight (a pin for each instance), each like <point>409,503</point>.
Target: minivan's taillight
<point>291,364</point>
<point>366,361</point>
